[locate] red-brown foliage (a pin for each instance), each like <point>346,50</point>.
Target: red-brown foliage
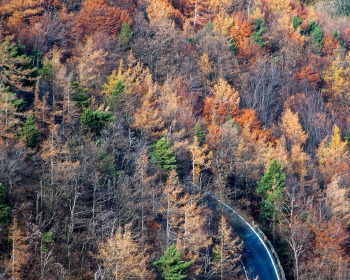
<point>96,15</point>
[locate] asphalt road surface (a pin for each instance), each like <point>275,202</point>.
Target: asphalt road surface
<point>256,258</point>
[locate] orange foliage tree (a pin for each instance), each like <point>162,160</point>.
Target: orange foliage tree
<point>332,262</point>
<point>97,15</point>
<point>307,75</point>
<point>21,14</point>
<point>221,104</point>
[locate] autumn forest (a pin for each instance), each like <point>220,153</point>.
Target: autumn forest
<point>118,116</point>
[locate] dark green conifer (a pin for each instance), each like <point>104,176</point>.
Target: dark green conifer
<point>171,265</point>
<point>30,134</point>
<point>162,156</point>
<point>95,120</point>
<point>270,188</point>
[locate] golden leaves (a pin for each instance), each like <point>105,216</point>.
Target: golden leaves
<point>292,128</point>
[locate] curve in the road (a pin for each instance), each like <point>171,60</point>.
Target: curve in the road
<point>256,258</point>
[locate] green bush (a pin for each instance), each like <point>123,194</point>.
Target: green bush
<point>46,241</point>
<point>337,36</point>
<point>19,104</point>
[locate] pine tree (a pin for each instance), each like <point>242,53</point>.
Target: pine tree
<point>270,188</point>
<point>95,120</point>
<point>257,36</point>
<point>171,265</point>
<point>4,207</point>
<point>125,35</point>
<point>9,105</point>
<point>162,156</point>
<point>198,132</point>
<point>30,134</point>
<point>15,68</point>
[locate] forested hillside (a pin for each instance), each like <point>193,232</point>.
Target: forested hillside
<point>115,113</point>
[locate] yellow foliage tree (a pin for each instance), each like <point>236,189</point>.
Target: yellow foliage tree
<point>337,192</point>
<point>227,252</point>
<point>174,200</point>
<point>21,12</point>
<point>299,160</point>
<point>280,154</point>
<point>19,254</point>
<point>200,158</point>
<point>113,79</point>
<point>280,5</point>
<point>148,116</point>
<point>160,11</point>
<point>91,64</point>
<point>123,256</point>
<point>333,155</point>
<point>292,128</point>
<point>206,67</point>
<point>193,238</point>
<point>223,23</point>
<point>222,103</point>
<point>337,77</point>
<point>256,14</point>
<point>202,11</point>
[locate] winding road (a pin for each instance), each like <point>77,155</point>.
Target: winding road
<point>256,258</point>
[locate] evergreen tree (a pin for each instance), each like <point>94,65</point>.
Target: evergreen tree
<point>95,120</point>
<point>16,71</point>
<point>171,265</point>
<point>4,208</point>
<point>316,34</point>
<point>162,156</point>
<point>259,32</point>
<point>118,89</point>
<point>80,95</point>
<point>30,134</point>
<point>270,188</point>
<point>125,35</point>
<point>199,133</point>
<point>296,22</point>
